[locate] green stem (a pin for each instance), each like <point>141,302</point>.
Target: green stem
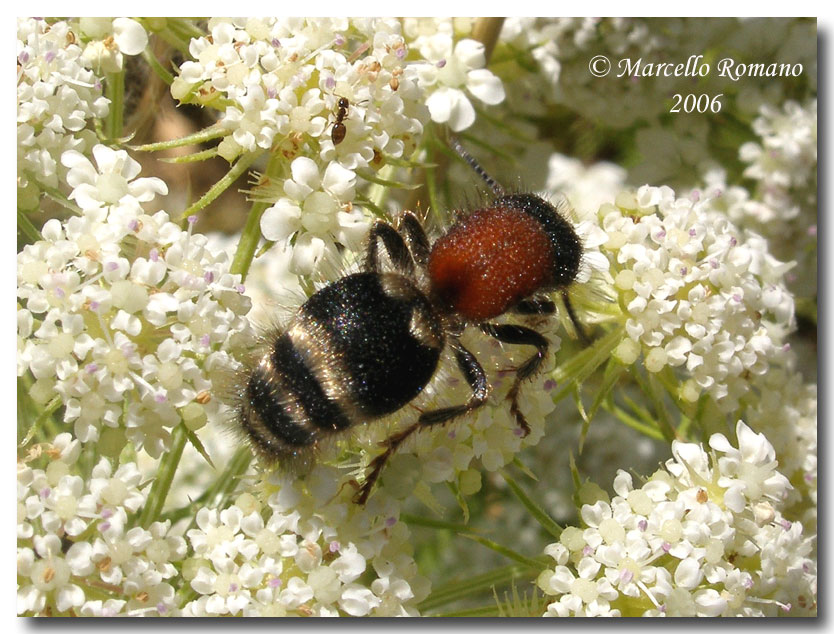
<point>632,421</point>
<point>422,520</point>
<point>238,169</point>
<point>251,235</point>
<point>507,552</point>
<point>115,92</point>
<point>201,136</point>
<point>249,239</point>
<point>485,610</point>
<point>196,157</point>
<point>164,476</point>
<point>156,67</point>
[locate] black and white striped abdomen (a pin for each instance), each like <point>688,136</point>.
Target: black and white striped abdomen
<point>358,349</point>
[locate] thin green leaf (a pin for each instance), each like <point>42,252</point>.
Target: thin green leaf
<point>398,161</point>
<point>44,416</point>
<point>538,513</point>
<point>198,445</point>
<point>475,586</point>
<point>519,605</point>
<point>524,469</point>
<point>25,227</point>
<point>461,500</point>
<point>164,476</point>
<point>371,177</point>
<point>647,430</point>
<point>422,520</point>
<point>507,552</point>
<point>581,366</point>
<point>651,387</point>
<point>484,610</point>
<point>574,472</point>
<point>613,371</point>
<point>115,91</point>
<point>62,200</point>
<point>371,206</point>
<point>218,494</point>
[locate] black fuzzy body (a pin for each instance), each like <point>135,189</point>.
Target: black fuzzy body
<point>359,349</point>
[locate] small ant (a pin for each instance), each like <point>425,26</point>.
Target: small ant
<point>339,130</point>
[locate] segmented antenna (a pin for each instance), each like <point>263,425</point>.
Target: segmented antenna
<point>480,171</point>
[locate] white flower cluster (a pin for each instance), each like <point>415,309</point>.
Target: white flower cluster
<point>672,149</point>
<point>783,165</point>
<point>116,308</point>
<point>786,158</point>
<point>449,70</point>
<point>308,551</point>
<point>313,216</point>
<point>458,451</point>
<point>785,410</point>
<point>77,553</point>
<point>783,204</point>
<point>697,293</point>
<point>57,97</point>
<point>702,537</point>
<point>279,81</point>
<point>110,40</point>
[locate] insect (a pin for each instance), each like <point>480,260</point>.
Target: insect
<point>357,350</point>
<point>363,347</point>
<point>337,134</point>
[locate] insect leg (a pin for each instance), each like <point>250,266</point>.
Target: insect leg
<point>520,335</point>
<point>394,245</point>
<point>534,306</point>
<point>580,330</point>
<point>475,377</point>
<point>416,237</point>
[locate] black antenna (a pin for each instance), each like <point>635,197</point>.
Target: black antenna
<point>480,171</point>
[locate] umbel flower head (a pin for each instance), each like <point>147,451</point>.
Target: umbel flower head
<point>698,293</point>
<point>57,96</point>
<point>116,308</point>
<point>306,551</point>
<point>76,554</point>
<point>702,537</point>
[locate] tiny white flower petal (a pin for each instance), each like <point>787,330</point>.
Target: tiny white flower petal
<point>69,596</point>
<point>339,181</point>
<point>305,178</point>
<point>485,86</point>
<point>688,574</point>
<point>281,220</point>
<point>130,36</point>
<point>471,53</point>
<point>449,105</point>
